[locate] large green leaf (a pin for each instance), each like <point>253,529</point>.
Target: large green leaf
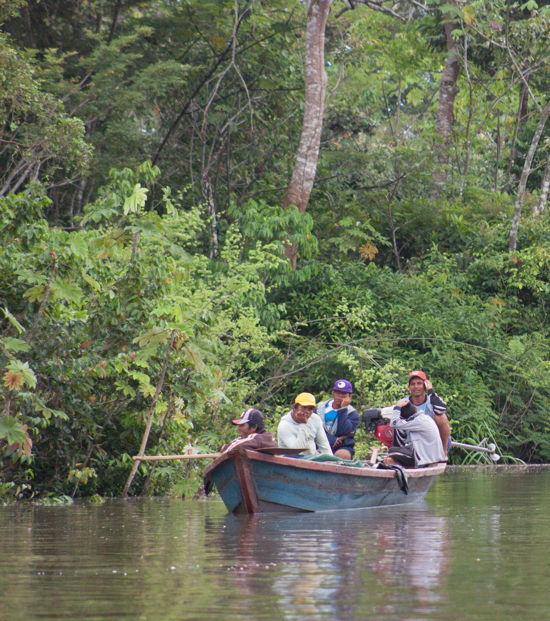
<point>136,200</point>
<point>17,366</point>
<point>12,344</point>
<point>11,431</point>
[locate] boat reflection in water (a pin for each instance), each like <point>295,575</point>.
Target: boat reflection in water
<point>344,563</point>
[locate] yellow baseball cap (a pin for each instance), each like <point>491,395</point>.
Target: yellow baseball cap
<point>305,398</point>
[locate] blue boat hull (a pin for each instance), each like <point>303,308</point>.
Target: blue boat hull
<point>251,482</point>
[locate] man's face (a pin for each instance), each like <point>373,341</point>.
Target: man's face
<point>301,413</point>
<point>416,387</point>
<point>245,430</point>
<point>341,399</point>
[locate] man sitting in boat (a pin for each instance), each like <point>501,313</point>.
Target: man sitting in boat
<point>426,400</point>
<point>340,419</point>
<point>252,432</point>
<point>302,428</point>
<point>417,442</point>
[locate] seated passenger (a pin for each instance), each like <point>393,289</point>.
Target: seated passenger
<point>417,442</point>
<point>426,400</point>
<point>340,419</point>
<point>252,432</point>
<point>302,428</point>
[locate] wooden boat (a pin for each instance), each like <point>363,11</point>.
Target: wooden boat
<point>250,481</point>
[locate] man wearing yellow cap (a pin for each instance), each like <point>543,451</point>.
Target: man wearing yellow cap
<point>302,428</point>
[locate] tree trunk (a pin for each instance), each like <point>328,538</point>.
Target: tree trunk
<point>544,188</point>
<point>445,117</point>
<point>520,118</point>
<point>526,171</point>
<point>305,167</point>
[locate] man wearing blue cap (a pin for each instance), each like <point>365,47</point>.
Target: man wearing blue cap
<point>340,419</point>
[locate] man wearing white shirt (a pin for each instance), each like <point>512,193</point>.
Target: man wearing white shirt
<point>302,428</point>
<point>417,441</point>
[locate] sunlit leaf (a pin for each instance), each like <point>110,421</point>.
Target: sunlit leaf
<point>21,368</point>
<point>13,321</point>
<point>10,343</point>
<point>136,200</point>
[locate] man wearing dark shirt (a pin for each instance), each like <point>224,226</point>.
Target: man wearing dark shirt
<point>340,419</point>
<point>252,433</point>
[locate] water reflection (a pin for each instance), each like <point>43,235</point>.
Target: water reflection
<point>477,551</point>
<point>331,564</point>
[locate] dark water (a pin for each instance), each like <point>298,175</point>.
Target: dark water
<point>478,548</point>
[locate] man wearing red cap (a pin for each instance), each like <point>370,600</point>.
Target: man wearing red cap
<point>426,400</point>
<point>252,433</point>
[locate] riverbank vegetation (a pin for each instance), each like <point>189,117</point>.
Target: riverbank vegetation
<point>167,259</point>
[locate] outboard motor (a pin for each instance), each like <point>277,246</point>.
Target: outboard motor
<point>378,426</point>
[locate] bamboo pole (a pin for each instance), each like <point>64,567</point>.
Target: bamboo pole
<point>149,423</point>
<point>174,457</point>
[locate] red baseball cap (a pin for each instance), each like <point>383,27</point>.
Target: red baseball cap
<point>419,374</point>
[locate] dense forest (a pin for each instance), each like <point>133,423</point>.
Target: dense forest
<point>213,204</point>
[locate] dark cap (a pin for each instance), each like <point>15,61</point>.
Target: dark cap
<point>252,416</point>
<point>342,385</point>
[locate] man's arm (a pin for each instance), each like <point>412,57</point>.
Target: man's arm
<point>347,421</point>
<point>442,423</point>
<point>321,440</point>
<point>440,410</point>
<point>439,406</point>
<point>291,436</point>
<point>408,424</point>
<point>347,425</point>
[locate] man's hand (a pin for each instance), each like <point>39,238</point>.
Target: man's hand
<point>402,403</point>
<point>346,400</point>
<point>428,384</point>
<point>338,441</point>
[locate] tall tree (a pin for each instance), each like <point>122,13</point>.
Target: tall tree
<point>526,171</point>
<point>448,90</point>
<point>544,189</point>
<point>305,167</point>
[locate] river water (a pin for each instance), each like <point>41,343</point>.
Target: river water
<point>477,548</point>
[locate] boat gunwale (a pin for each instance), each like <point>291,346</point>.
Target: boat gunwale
<point>333,467</point>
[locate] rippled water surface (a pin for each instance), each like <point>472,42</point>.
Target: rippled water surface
<point>478,548</point>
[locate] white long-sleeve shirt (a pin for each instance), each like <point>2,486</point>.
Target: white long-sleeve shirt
<point>310,435</point>
<point>423,435</point>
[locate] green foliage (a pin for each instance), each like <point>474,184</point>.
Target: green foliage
<point>108,257</point>
<point>109,302</point>
<point>38,134</point>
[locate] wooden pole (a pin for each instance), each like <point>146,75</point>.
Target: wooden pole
<point>374,455</point>
<point>173,457</point>
<point>145,437</point>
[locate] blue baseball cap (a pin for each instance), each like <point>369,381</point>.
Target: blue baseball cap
<point>342,385</point>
